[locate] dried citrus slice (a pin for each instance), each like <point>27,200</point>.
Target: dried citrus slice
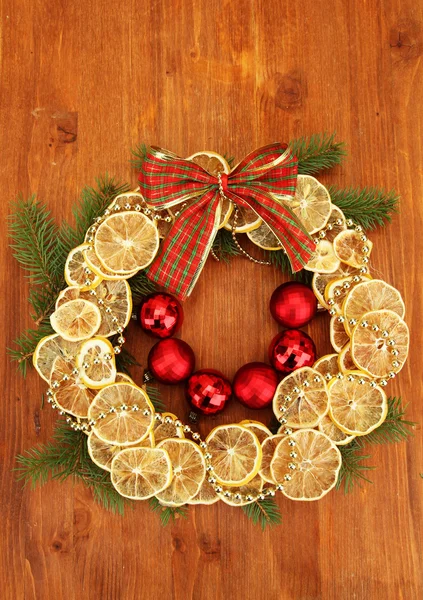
<point>78,272</point>
<point>338,336</point>
<point>321,280</point>
<point>167,429</point>
<point>338,437</point>
<point>70,293</point>
<point>301,398</point>
<point>317,464</point>
<point>128,201</point>
<point>264,238</point>
<point>247,220</point>
<point>345,361</point>
<point>214,164</point>
<point>102,453</point>
<point>268,447</point>
<point>206,495</point>
<point>70,393</point>
<point>140,473</point>
<point>382,346</point>
<point>338,289</point>
<point>123,414</point>
<point>236,454</point>
<point>261,431</point>
<point>189,471</point>
<point>336,223</point>
<point>76,320</point>
<point>311,203</point>
<point>323,259</point>
<point>94,263</point>
<point>356,407</point>
<point>96,362</point>
<point>123,377</point>
<point>348,246</point>
<point>126,241</point>
<point>327,364</point>
<point>48,349</point>
<point>371,295</point>
<point>237,495</point>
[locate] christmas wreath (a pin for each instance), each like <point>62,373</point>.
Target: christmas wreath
<point>149,246</point>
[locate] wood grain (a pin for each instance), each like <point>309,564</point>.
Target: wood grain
<point>82,83</point>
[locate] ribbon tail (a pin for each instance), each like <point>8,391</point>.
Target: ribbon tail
<point>185,250</point>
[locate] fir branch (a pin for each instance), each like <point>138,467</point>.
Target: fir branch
<point>25,345</point>
<point>125,360</point>
<point>92,204</point>
<point>224,246</point>
<point>141,286</point>
<point>139,153</point>
<point>168,513</point>
<point>279,259</point>
<point>394,429</point>
<point>368,207</point>
<point>155,397</point>
<point>66,455</point>
<point>352,470</point>
<point>264,512</point>
<point>317,152</point>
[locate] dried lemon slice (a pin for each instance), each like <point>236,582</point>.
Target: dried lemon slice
<point>48,349</point>
<point>311,203</point>
<point>140,473</point>
<point>167,429</point>
<point>237,496</point>
<point>301,398</point>
<point>189,471</point>
<point>261,431</point>
<point>317,465</point>
<point>70,393</point>
<point>356,407</point>
<point>214,164</point>
<point>78,272</point>
<point>102,453</point>
<point>336,223</point>
<point>345,361</point>
<point>268,447</point>
<point>206,495</point>
<point>323,259</point>
<point>338,289</point>
<point>380,347</point>
<point>264,238</point>
<point>348,246</point>
<point>247,220</point>
<point>123,377</point>
<point>236,454</point>
<point>76,320</point>
<point>338,336</point>
<point>125,242</point>
<point>371,295</point>
<point>94,263</point>
<point>123,414</point>
<point>327,365</point>
<point>338,437</point>
<point>96,362</point>
<point>321,280</point>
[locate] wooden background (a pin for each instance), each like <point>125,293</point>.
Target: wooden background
<point>82,83</point>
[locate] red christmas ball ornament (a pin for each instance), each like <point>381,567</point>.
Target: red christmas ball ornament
<point>171,361</point>
<point>208,391</point>
<point>255,384</point>
<point>293,304</point>
<point>160,315</point>
<point>290,350</point>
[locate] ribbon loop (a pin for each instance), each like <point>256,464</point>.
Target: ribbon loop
<point>258,182</point>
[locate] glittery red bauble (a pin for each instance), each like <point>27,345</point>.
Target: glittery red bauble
<point>171,361</point>
<point>208,391</point>
<point>255,384</point>
<point>291,350</point>
<point>160,315</point>
<point>293,304</point>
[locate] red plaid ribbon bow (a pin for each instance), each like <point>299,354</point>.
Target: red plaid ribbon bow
<point>257,182</point>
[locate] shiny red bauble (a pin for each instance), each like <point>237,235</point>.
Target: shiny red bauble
<point>171,361</point>
<point>293,304</point>
<point>255,384</point>
<point>160,315</point>
<point>208,391</point>
<point>291,350</point>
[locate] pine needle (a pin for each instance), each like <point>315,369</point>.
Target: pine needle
<point>263,512</point>
<point>224,246</point>
<point>125,360</point>
<point>280,260</point>
<point>25,345</point>
<point>141,286</point>
<point>168,514</point>
<point>66,455</point>
<point>367,207</point>
<point>139,153</point>
<point>317,152</point>
<point>352,470</point>
<point>155,397</point>
<point>394,429</point>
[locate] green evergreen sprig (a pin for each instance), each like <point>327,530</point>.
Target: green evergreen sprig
<point>224,246</point>
<point>353,470</point>
<point>265,513</point>
<point>317,152</point>
<point>168,514</point>
<point>367,207</point>
<point>24,345</point>
<point>141,286</point>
